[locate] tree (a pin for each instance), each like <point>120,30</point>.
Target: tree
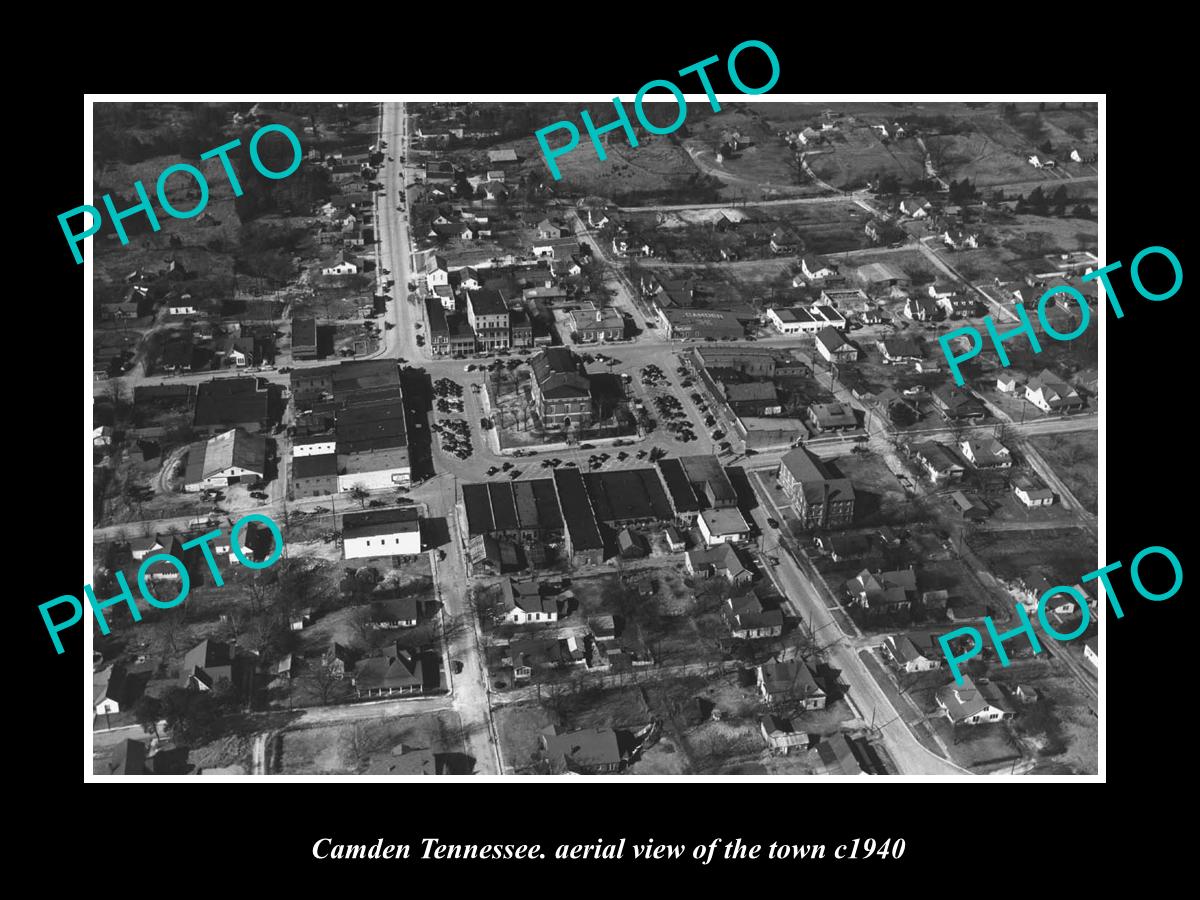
<point>360,493</point>
<point>147,712</point>
<point>191,715</point>
<point>323,678</point>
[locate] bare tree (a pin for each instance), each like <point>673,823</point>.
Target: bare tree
<point>360,493</point>
<point>322,678</point>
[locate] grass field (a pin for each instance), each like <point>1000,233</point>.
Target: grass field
<point>856,155</point>
<point>1066,554</point>
<point>1074,458</point>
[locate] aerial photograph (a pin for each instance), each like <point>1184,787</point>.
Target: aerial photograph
<point>702,459</point>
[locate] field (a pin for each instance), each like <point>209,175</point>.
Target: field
<point>827,227</point>
<point>350,748</point>
<point>1073,458</point>
<point>1066,554</point>
<point>855,155</point>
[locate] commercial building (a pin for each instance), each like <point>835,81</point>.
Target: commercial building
<point>304,338</point>
<point>820,500</point>
<point>722,526</point>
<point>381,532</point>
<point>226,403</point>
<point>314,476</point>
<point>591,324</point>
<point>225,459</point>
<point>689,324</point>
<point>488,317</point>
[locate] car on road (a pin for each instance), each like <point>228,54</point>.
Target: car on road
<point>456,666</point>
<point>772,522</point>
<point>405,501</point>
<point>258,495</point>
<point>586,447</point>
<point>320,509</point>
<point>441,555</point>
<point>375,504</point>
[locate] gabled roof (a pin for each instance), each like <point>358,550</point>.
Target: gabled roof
<point>969,699</point>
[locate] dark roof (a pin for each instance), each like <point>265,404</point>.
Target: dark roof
<point>486,302</point>
<point>401,670</point>
<point>230,401</point>
<point>128,758</point>
<point>559,373</point>
<point>210,661</point>
<point>435,313</point>
<point>371,424</point>
<point>585,748</point>
<point>394,609</point>
<point>314,466</point>
<point>577,510</point>
<point>627,494</point>
<point>678,484</point>
<point>304,332</point>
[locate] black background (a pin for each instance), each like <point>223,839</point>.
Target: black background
<point>952,830</point>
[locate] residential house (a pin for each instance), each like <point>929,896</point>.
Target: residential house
<point>832,417</point>
<point>986,453</point>
<point>839,753</point>
<point>751,616</point>
<point>920,309</point>
<point>398,671</point>
<point>1091,652</point>
<point>834,347</point>
<point>548,230</point>
<point>343,264</point>
<point>589,751</point>
<point>916,651</point>
<point>1051,394</point>
<point>971,704</point>
<point>917,207</point>
<point>814,268</point>
<point>900,349</point>
<point>108,690</point>
<point>436,272</point>
<point>1006,384</point>
<point>1032,492</point>
<point>394,612</point>
<point>956,404</point>
<point>782,734</point>
<point>957,239</point>
<point>721,560</point>
<point>938,462</point>
<point>207,664</point>
<point>790,680</point>
<point>524,603</point>
<point>884,591</point>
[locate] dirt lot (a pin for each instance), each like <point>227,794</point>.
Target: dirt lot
<point>349,748</point>
<point>1073,457</point>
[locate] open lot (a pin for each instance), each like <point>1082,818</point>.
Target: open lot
<point>1067,553</point>
<point>1073,457</point>
<point>350,748</point>
<point>855,155</point>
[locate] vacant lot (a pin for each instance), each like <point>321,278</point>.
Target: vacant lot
<point>856,155</point>
<point>1073,458</point>
<point>349,748</point>
<point>1067,553</point>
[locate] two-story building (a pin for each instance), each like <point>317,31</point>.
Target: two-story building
<point>488,316</point>
<point>561,390</point>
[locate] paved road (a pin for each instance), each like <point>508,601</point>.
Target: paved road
<point>910,756</point>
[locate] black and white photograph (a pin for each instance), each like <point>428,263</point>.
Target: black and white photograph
<point>748,436</point>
